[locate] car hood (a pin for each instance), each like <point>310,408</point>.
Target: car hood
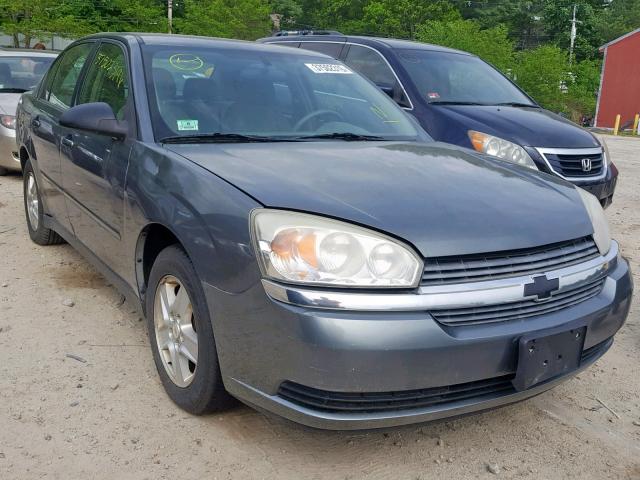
<point>532,127</point>
<point>9,103</point>
<point>442,199</point>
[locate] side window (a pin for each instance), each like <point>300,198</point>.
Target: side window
<point>60,92</point>
<point>370,63</point>
<point>107,80</point>
<point>331,49</point>
<point>45,86</point>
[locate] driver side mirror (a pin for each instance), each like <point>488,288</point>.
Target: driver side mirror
<point>96,117</point>
<point>386,89</point>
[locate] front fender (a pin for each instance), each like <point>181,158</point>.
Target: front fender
<point>208,216</point>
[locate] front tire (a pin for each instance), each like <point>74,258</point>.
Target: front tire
<point>181,335</point>
<point>3,171</point>
<point>34,211</point>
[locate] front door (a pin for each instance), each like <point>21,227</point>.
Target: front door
<point>94,165</point>
<point>54,97</point>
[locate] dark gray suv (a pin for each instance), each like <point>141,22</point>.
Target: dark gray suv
<point>297,242</point>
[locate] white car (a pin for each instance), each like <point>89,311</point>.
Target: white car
<point>20,71</point>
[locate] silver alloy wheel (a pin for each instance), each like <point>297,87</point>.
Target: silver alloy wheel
<point>176,337</point>
<point>33,206</point>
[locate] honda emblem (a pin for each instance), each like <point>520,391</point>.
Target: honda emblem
<point>586,164</point>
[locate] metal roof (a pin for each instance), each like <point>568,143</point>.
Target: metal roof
<point>606,45</point>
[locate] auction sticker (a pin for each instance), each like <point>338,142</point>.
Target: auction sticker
<point>187,125</point>
<point>328,68</point>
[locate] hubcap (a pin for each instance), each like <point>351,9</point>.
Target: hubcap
<point>176,336</point>
<point>33,206</point>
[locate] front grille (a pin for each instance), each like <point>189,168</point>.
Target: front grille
<point>571,165</point>
<point>491,266</point>
<point>370,402</point>
<point>518,310</point>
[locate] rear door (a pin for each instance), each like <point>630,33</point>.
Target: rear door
<point>94,165</point>
<point>54,97</point>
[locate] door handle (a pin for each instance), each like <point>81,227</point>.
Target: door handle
<point>35,123</point>
<point>67,142</point>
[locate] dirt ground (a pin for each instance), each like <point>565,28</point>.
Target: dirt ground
<point>106,415</point>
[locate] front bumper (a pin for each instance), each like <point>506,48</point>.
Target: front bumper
<point>603,189</point>
<point>9,157</point>
<point>263,343</point>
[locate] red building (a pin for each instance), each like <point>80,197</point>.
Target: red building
<point>620,81</point>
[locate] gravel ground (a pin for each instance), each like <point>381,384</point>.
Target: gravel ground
<point>80,398</point>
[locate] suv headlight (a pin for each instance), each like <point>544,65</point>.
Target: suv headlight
<point>601,234</point>
<point>497,147</point>
<point>313,250</point>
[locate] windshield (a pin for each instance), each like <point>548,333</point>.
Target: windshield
<point>19,74</point>
<point>443,77</point>
<point>237,93</point>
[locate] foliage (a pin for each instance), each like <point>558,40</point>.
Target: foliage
<point>492,44</point>
<point>541,72</point>
<point>243,19</point>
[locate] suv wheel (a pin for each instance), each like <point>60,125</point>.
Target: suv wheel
<point>181,335</point>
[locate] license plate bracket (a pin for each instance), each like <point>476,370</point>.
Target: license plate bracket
<point>543,357</point>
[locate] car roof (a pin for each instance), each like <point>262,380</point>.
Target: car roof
<point>197,41</point>
<point>392,43</point>
<point>27,52</point>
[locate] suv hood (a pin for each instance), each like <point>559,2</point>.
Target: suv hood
<point>531,127</point>
<point>442,199</point>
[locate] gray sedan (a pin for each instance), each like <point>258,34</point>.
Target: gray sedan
<point>297,242</point>
<point>20,70</point>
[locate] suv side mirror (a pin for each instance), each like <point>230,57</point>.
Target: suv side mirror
<point>386,89</point>
<point>96,117</point>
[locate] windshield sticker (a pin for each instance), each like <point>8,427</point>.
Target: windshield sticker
<point>187,125</point>
<point>186,61</point>
<point>328,68</point>
<point>433,95</point>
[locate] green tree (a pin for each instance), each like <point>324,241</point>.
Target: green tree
<point>243,19</point>
<point>492,44</point>
<point>401,18</point>
<point>617,18</point>
<point>542,73</point>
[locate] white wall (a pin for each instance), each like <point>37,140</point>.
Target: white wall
<point>52,42</point>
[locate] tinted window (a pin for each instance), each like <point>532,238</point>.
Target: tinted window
<point>67,73</point>
<point>201,90</point>
<point>452,77</point>
<point>22,73</point>
<point>107,80</point>
<point>331,49</point>
<point>372,65</point>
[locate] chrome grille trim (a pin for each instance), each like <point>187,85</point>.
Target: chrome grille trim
<point>519,310</point>
<point>574,151</point>
<point>438,297</point>
<point>474,268</point>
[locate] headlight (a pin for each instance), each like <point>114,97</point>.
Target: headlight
<point>308,249</point>
<point>8,121</point>
<point>500,148</point>
<point>601,234</point>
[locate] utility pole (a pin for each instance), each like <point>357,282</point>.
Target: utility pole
<point>574,32</point>
<point>170,15</point>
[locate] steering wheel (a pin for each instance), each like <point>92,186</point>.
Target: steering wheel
<point>318,113</point>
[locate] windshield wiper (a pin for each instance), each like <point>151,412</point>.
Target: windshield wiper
<point>221,138</point>
<point>13,90</point>
<point>347,136</point>
<point>516,104</point>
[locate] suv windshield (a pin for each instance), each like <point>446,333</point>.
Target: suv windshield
<point>443,77</point>
<point>19,74</point>
<point>232,94</point>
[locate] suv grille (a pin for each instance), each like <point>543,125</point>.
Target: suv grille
<point>571,165</point>
<point>518,310</point>
<point>513,263</point>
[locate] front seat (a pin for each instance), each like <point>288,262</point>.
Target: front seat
<point>255,109</point>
